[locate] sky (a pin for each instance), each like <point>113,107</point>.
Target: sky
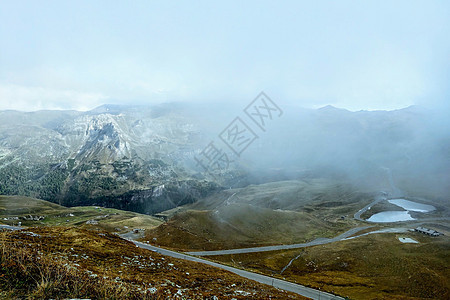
<point>351,54</point>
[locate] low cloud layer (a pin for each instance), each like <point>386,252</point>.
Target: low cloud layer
<point>368,55</point>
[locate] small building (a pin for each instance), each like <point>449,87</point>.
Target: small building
<point>33,218</point>
<point>427,231</point>
<point>92,222</point>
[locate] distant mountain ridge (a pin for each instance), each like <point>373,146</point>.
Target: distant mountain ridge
<point>94,157</point>
<point>141,157</point>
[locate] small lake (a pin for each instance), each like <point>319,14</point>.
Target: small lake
<point>412,206</point>
<point>390,216</point>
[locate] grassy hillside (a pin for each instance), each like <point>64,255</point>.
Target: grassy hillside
<point>249,226</point>
<point>282,212</point>
<point>377,266</point>
<point>69,262</point>
<point>14,209</point>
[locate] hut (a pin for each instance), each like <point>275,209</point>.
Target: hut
<point>427,231</point>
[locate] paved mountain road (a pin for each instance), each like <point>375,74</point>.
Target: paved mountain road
<point>278,283</point>
<point>358,214</point>
<point>8,227</point>
<point>319,241</point>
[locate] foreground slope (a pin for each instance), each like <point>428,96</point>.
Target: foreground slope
<point>68,262</point>
<point>376,266</point>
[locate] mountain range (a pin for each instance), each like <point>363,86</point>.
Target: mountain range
<point>142,158</point>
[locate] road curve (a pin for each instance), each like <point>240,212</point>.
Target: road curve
<point>278,283</point>
<point>319,241</point>
<point>358,214</point>
<point>8,227</point>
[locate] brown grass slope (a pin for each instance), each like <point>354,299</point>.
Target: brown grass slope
<point>69,262</point>
<point>249,226</point>
<point>282,212</point>
<point>377,266</point>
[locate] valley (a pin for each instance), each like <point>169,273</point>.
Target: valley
<point>370,260</point>
<point>284,212</point>
<point>224,150</point>
<point>292,213</point>
<point>342,259</point>
<point>376,266</point>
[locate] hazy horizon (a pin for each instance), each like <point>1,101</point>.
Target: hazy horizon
<point>233,105</point>
<point>357,56</point>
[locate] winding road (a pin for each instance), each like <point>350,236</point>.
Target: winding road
<point>358,214</point>
<point>278,283</point>
<point>322,241</point>
<point>319,241</point>
<point>8,227</point>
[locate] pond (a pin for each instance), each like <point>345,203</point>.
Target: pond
<point>412,206</point>
<point>390,216</point>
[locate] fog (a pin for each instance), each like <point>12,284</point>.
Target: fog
<point>382,66</point>
<point>366,148</point>
<point>79,54</point>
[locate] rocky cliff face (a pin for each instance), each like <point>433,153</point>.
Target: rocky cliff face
<point>126,158</point>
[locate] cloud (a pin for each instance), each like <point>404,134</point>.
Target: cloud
<point>355,56</point>
<point>30,98</point>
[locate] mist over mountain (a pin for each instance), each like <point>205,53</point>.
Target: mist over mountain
<point>365,147</point>
<point>142,158</point>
